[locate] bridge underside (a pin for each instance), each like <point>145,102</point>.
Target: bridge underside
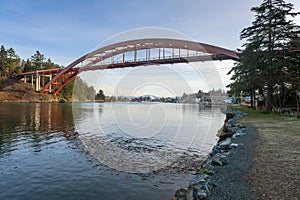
<point>156,62</point>
<point>133,53</point>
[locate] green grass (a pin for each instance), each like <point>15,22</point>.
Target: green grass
<point>251,111</point>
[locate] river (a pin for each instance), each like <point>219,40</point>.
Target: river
<point>102,150</point>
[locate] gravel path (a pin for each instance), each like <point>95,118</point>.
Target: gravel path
<point>232,181</point>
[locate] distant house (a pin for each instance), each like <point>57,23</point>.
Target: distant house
<point>229,100</point>
<point>205,98</point>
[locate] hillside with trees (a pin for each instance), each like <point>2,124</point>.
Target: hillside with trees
<point>12,90</point>
<point>268,69</point>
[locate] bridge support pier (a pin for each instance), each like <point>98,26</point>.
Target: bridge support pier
<point>25,77</point>
<point>32,86</point>
<point>43,81</point>
<point>50,78</point>
<point>37,82</point>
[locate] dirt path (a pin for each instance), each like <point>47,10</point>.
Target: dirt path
<point>276,171</point>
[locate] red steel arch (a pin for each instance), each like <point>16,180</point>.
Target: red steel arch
<point>94,60</point>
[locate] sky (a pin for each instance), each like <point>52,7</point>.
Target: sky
<point>65,30</point>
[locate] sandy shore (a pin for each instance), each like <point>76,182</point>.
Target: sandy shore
<point>267,165</point>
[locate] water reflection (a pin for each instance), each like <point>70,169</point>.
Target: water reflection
<point>147,137</point>
<point>136,138</point>
<point>36,161</point>
<point>33,125</point>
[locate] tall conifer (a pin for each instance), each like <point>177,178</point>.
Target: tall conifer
<point>267,39</point>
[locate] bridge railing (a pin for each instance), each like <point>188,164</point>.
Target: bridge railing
<point>134,53</point>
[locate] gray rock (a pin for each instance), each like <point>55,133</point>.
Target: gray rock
<point>216,161</point>
<point>225,152</point>
<point>210,172</point>
<point>184,194</point>
<point>225,144</point>
<point>207,166</point>
<point>193,182</point>
<point>206,177</point>
<point>220,155</point>
<point>201,195</point>
<point>241,126</point>
<point>197,181</point>
<point>204,187</point>
<point>233,129</point>
<point>189,195</point>
<point>234,145</point>
<point>210,185</point>
<point>181,193</point>
<point>219,160</point>
<point>201,187</point>
<point>216,149</point>
<point>240,133</point>
<point>200,179</point>
<point>228,181</point>
<point>207,169</point>
<point>222,158</point>
<point>230,121</point>
<point>235,135</point>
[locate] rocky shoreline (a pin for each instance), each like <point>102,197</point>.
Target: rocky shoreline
<point>220,173</point>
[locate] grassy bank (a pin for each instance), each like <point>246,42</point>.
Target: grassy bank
<point>276,173</point>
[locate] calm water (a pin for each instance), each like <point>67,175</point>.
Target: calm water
<point>102,151</point>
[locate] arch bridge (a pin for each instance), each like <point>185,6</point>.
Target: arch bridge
<point>132,53</point>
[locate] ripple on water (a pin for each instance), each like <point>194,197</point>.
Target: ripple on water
<point>141,155</point>
<point>38,159</point>
<point>29,141</point>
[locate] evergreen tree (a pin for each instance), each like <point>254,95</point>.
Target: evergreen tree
<point>37,61</point>
<point>248,76</point>
<point>3,59</point>
<point>100,95</point>
<point>199,94</point>
<point>67,91</point>
<point>28,66</point>
<point>263,58</point>
<point>50,65</point>
<point>9,62</point>
<point>292,70</point>
<point>13,63</point>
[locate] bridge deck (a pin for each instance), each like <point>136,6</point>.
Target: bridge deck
<point>131,53</point>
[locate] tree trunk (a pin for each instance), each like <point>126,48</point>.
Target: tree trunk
<point>254,100</point>
<point>298,106</point>
<point>269,99</point>
<point>251,99</point>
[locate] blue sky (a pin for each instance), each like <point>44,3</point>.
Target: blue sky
<point>65,30</point>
